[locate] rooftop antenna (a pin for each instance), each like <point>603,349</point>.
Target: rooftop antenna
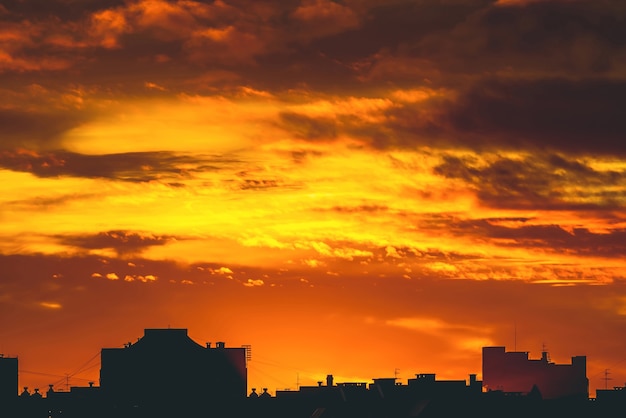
<point>514,335</point>
<point>606,378</point>
<point>248,349</point>
<point>544,353</point>
<point>395,373</point>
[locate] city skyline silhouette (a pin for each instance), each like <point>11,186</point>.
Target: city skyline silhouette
<point>166,373</point>
<point>157,343</point>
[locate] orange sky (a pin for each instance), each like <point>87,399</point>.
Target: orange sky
<point>353,187</point>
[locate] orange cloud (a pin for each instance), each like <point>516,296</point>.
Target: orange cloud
<point>107,26</point>
<point>254,282</point>
<point>50,305</point>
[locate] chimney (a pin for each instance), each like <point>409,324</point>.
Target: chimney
<point>329,380</point>
<point>220,344</point>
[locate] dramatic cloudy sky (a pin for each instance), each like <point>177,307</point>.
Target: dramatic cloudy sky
<point>356,187</point>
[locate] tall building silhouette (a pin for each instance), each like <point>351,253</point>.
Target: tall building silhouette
<point>166,368</point>
<point>8,382</point>
<point>515,372</point>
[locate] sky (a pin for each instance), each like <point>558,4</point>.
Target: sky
<point>360,188</point>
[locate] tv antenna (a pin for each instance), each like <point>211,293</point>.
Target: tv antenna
<point>248,349</point>
<point>606,378</point>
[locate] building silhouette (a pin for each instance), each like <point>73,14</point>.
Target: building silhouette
<point>514,372</point>
<point>167,369</point>
<point>8,381</point>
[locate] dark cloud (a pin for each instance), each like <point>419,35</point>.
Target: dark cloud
<point>549,115</point>
<point>65,9</point>
<point>543,76</point>
<point>123,242</point>
<point>44,203</point>
<point>131,166</point>
<point>302,155</point>
<point>319,43</point>
<point>580,241</point>
<point>557,63</point>
<point>392,25</point>
<point>309,128</point>
<point>258,179</point>
<point>585,116</point>
<point>256,184</point>
<point>538,183</point>
<point>350,60</point>
<point>36,128</point>
<point>539,115</point>
<point>360,209</point>
<point>194,34</point>
<point>577,38</point>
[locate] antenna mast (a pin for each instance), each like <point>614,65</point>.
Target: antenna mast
<point>606,378</point>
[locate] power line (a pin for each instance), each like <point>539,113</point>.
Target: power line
<point>85,364</point>
<point>40,373</point>
<point>65,379</point>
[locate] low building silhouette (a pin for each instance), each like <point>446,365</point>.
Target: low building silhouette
<point>615,395</point>
<point>79,401</point>
<point>514,372</point>
<point>423,396</point>
<point>426,385</point>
